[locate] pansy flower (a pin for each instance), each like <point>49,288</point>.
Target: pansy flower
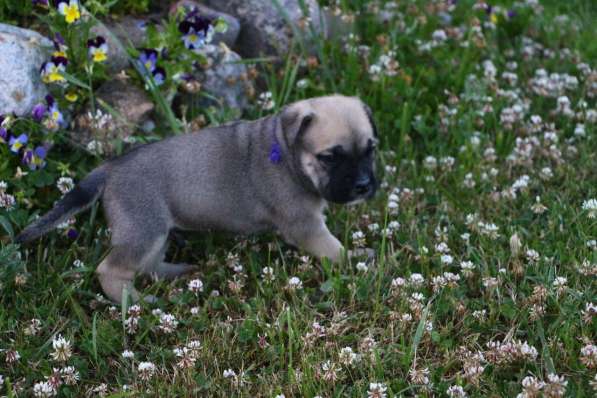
<point>3,131</point>
<point>17,143</point>
<point>54,118</point>
<point>159,76</point>
<point>38,112</point>
<point>59,45</point>
<point>70,10</point>
<point>35,159</point>
<point>51,72</point>
<point>197,30</point>
<point>98,49</point>
<point>148,58</point>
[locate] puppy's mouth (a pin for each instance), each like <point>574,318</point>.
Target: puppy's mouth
<point>358,192</point>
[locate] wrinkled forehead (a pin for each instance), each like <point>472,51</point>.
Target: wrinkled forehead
<point>340,121</point>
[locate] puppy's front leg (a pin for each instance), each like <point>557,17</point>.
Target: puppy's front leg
<point>314,237</point>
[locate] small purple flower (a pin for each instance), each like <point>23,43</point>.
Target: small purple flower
<point>17,143</point>
<point>38,112</point>
<point>72,233</point>
<point>148,58</point>
<point>98,49</point>
<point>159,76</point>
<point>54,119</point>
<point>59,40</point>
<point>197,30</point>
<point>3,131</point>
<point>35,159</point>
<point>511,14</point>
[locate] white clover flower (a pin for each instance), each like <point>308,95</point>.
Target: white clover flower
<point>44,389</point>
<point>397,283</point>
<point>70,375</point>
<point>532,255</point>
<point>579,130</point>
<point>347,356</point>
<point>393,225</point>
<point>442,247</point>
<point>439,35</point>
<point>588,355</point>
<point>195,286</point>
<point>146,370</point>
<point>228,373</point>
<point>294,283</point>
<point>560,282</point>
<point>168,323</point>
<point>446,259</point>
<point>362,266</point>
<point>590,206</point>
<point>127,354</point>
<point>265,101</point>
<point>377,390</point>
<point>456,392</point>
<point>416,280</point>
<point>65,184</point>
<point>62,349</point>
<point>267,273</point>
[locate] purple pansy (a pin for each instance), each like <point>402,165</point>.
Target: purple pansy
<point>148,58</point>
<point>159,76</point>
<point>3,131</point>
<point>16,143</point>
<point>72,233</point>
<point>35,159</point>
<point>41,3</point>
<point>38,112</point>
<point>54,119</point>
<point>196,29</point>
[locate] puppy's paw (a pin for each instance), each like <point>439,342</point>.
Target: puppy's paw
<point>366,252</point>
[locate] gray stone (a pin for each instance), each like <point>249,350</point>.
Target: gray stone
<point>226,78</point>
<point>265,28</point>
<point>22,53</point>
<point>129,108</point>
<point>229,37</point>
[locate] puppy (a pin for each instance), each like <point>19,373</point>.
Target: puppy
<point>276,173</point>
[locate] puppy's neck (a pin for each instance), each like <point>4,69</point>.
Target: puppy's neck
<point>282,154</point>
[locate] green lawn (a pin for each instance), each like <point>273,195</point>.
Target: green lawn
<point>485,231</point>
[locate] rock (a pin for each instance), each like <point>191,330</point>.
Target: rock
<point>264,29</point>
<point>229,37</point>
<point>132,107</point>
<point>22,53</point>
<point>225,79</point>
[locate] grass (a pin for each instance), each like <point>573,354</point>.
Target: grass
<point>278,340</point>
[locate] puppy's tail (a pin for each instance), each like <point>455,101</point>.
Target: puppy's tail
<point>78,199</point>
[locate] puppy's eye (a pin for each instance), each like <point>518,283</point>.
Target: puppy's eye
<point>326,158</point>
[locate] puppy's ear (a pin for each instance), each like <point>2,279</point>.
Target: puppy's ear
<point>295,121</point>
<point>370,117</point>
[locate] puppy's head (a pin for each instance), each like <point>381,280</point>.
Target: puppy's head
<point>333,140</point>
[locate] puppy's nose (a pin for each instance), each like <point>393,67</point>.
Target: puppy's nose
<point>362,185</point>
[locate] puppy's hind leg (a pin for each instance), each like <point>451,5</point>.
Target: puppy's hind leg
<point>137,254</point>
